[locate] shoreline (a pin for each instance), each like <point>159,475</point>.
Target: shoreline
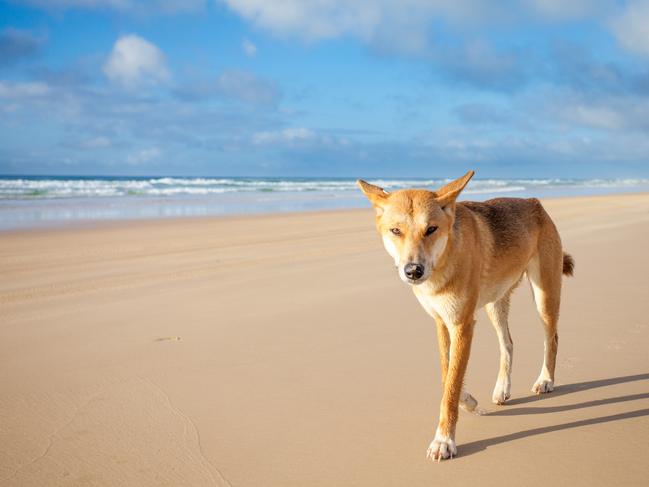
<point>77,224</point>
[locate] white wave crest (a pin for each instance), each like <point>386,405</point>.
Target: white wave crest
<point>44,188</point>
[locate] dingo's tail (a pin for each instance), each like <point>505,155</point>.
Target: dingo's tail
<point>568,265</point>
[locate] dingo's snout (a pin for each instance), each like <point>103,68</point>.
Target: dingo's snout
<point>413,271</point>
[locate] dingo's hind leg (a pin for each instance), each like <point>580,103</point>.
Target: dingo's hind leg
<point>544,272</point>
<point>498,312</point>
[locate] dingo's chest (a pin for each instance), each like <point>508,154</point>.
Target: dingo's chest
<point>447,306</point>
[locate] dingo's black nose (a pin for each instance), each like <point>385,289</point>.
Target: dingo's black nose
<point>413,271</point>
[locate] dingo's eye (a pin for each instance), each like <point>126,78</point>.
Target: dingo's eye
<point>395,231</point>
<point>430,230</point>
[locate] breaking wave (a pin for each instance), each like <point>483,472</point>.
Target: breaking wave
<point>18,188</point>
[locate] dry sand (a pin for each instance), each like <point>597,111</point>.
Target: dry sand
<point>283,350</point>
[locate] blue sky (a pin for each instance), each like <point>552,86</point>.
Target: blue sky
<point>528,88</point>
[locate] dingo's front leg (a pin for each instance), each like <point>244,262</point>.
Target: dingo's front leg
<point>467,401</point>
<point>443,445</point>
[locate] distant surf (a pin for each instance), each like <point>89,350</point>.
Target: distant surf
<point>90,187</point>
<point>29,201</point>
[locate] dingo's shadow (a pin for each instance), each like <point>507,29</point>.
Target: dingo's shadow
<point>476,446</point>
<point>577,387</point>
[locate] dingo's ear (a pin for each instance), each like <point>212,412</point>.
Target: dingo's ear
<point>376,195</point>
<point>446,195</point>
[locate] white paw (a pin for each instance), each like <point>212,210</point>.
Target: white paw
<point>541,386</point>
<point>501,392</point>
<point>441,448</point>
<point>468,402</point>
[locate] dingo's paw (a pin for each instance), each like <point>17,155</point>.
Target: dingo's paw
<point>441,448</point>
<point>541,386</point>
<point>501,393</point>
<point>468,402</point>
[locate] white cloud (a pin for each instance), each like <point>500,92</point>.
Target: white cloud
<point>405,26</point>
<point>631,27</point>
<point>398,25</point>
<point>313,20</point>
<point>135,61</point>
<point>595,116</point>
<point>295,134</point>
<point>143,156</point>
<point>405,22</point>
<point>25,89</point>
<point>623,113</point>
<point>248,48</point>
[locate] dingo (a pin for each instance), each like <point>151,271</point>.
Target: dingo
<point>459,257</point>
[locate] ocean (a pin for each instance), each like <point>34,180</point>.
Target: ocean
<point>33,201</point>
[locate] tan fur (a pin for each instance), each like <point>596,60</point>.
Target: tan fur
<point>475,256</point>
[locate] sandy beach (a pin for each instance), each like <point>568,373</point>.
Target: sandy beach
<point>283,350</point>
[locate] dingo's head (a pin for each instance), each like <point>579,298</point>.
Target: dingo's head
<point>415,225</point>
